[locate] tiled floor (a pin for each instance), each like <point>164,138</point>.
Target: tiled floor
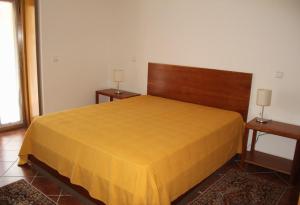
<point>10,143</point>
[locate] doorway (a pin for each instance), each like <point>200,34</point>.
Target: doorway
<point>11,102</point>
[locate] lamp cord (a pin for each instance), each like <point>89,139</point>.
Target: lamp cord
<point>257,137</point>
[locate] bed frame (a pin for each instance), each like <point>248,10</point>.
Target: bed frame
<point>216,88</point>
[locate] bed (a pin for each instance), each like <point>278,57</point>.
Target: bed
<point>147,149</point>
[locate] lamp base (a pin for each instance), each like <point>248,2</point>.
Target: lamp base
<point>118,92</point>
<point>261,120</point>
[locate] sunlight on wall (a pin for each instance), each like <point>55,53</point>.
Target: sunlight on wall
<point>10,109</point>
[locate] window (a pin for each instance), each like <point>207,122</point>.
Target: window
<point>10,86</point>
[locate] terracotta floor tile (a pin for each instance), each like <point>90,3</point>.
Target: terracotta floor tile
<point>53,197</point>
<point>7,180</point>
<point>16,141</point>
<point>227,166</point>
<point>4,141</point>
<point>8,155</point>
<point>290,197</point>
<point>46,185</point>
<point>39,174</point>
<point>13,134</point>
<point>65,193</point>
<point>4,167</point>
<point>11,147</point>
<point>69,200</point>
<point>18,171</point>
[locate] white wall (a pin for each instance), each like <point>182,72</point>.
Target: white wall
<point>125,43</point>
<point>74,44</point>
<point>90,39</point>
<point>261,37</point>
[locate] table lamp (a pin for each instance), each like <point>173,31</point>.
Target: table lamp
<point>263,99</point>
<point>118,77</point>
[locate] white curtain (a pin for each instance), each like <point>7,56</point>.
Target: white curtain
<point>10,103</point>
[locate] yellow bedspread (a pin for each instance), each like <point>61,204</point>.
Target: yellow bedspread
<point>142,150</point>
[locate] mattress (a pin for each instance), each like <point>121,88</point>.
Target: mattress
<point>141,150</point>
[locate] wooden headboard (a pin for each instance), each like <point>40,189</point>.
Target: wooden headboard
<point>216,88</point>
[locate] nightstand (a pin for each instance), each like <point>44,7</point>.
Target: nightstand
<point>111,94</point>
<point>290,167</point>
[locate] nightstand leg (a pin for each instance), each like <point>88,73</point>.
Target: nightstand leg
<point>111,99</point>
<point>245,141</point>
<point>296,165</point>
<point>97,98</point>
<point>253,140</point>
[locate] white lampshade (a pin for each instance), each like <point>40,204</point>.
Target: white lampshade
<point>118,75</point>
<point>263,97</point>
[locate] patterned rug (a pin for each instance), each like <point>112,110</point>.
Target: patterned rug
<point>234,188</point>
<point>22,193</point>
<point>240,188</point>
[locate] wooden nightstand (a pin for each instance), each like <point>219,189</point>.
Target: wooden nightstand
<point>111,94</point>
<point>291,167</point>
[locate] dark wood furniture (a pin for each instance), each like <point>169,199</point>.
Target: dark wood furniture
<point>291,167</point>
<point>216,88</point>
<point>111,94</point>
